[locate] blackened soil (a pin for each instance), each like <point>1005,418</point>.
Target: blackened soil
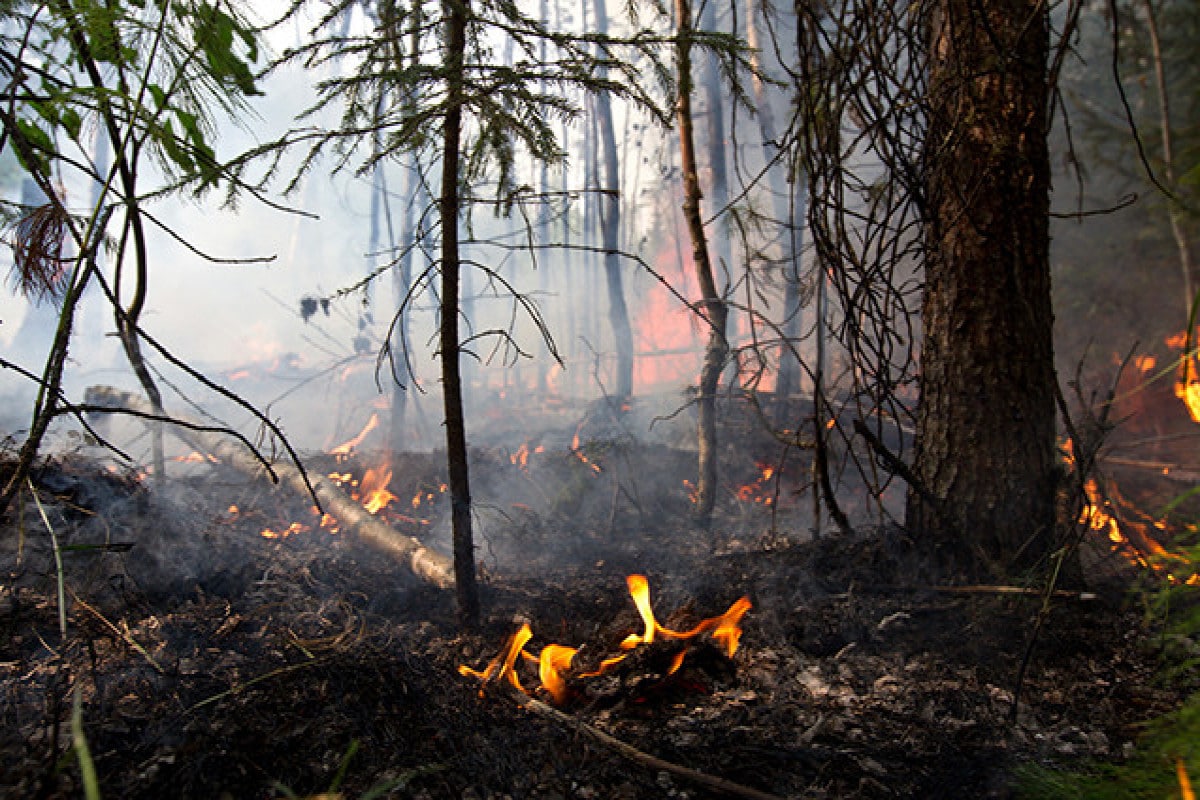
<point>210,661</point>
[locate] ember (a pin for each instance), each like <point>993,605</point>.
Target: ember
<point>554,659</point>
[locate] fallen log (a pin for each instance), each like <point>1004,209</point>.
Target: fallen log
<point>426,563</point>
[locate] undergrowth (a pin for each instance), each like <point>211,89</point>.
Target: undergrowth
<point>1166,760</point>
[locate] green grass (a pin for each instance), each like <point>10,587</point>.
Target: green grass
<point>1149,774</point>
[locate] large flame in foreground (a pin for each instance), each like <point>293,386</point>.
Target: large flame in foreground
<point>555,659</point>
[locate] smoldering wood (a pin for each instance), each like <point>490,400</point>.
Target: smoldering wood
<point>425,563</point>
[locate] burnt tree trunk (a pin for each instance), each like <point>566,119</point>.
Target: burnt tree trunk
<point>610,226</point>
<point>466,590</point>
<point>713,308</point>
<point>985,450</point>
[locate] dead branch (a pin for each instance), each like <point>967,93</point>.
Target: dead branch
<point>426,563</point>
<point>1027,591</point>
<point>630,752</point>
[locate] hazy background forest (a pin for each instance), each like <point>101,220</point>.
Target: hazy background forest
<point>301,334</point>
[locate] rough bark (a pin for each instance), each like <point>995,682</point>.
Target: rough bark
<point>610,226</point>
<point>713,307</point>
<point>985,425</point>
<point>458,480</point>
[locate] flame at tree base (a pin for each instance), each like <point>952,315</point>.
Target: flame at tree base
<point>555,660</point>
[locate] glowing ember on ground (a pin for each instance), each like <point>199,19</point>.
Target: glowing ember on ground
<point>753,492</point>
<point>197,458</point>
<point>291,530</point>
<point>555,660</point>
<point>424,496</point>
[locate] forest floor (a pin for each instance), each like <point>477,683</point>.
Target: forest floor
<point>212,661</point>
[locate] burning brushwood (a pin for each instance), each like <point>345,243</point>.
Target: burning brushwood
<point>352,517</point>
<point>557,671</point>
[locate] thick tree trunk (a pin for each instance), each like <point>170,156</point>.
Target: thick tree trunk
<point>466,590</point>
<point>985,426</point>
<point>714,309</point>
<point>610,226</point>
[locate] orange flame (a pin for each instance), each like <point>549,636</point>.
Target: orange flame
<point>753,492</point>
<point>373,491</point>
<point>556,659</point>
<point>290,530</point>
<point>1185,783</point>
<point>1135,542</point>
<point>521,457</point>
<point>344,448</point>
<point>501,667</point>
<point>553,661</point>
<point>580,454</point>
<point>195,457</point>
<point>1189,393</point>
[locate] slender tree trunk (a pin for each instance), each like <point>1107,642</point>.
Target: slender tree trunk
<point>610,226</point>
<point>985,424</point>
<point>1174,212</point>
<point>714,309</point>
<point>466,590</point>
<point>715,133</point>
<point>789,199</point>
<point>127,318</point>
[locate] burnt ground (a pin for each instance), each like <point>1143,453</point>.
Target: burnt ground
<point>213,662</point>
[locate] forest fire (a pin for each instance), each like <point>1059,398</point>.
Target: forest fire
<point>555,660</point>
<point>1131,538</point>
<point>345,448</point>
<point>578,453</point>
<point>521,457</point>
<point>753,492</point>
<point>1187,380</point>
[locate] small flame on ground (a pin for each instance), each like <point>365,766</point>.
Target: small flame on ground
<point>1145,552</point>
<point>753,492</point>
<point>1185,783</point>
<point>556,659</point>
<point>372,490</point>
<point>425,496</point>
<point>196,457</point>
<point>580,454</point>
<point>291,530</point>
<point>521,457</point>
